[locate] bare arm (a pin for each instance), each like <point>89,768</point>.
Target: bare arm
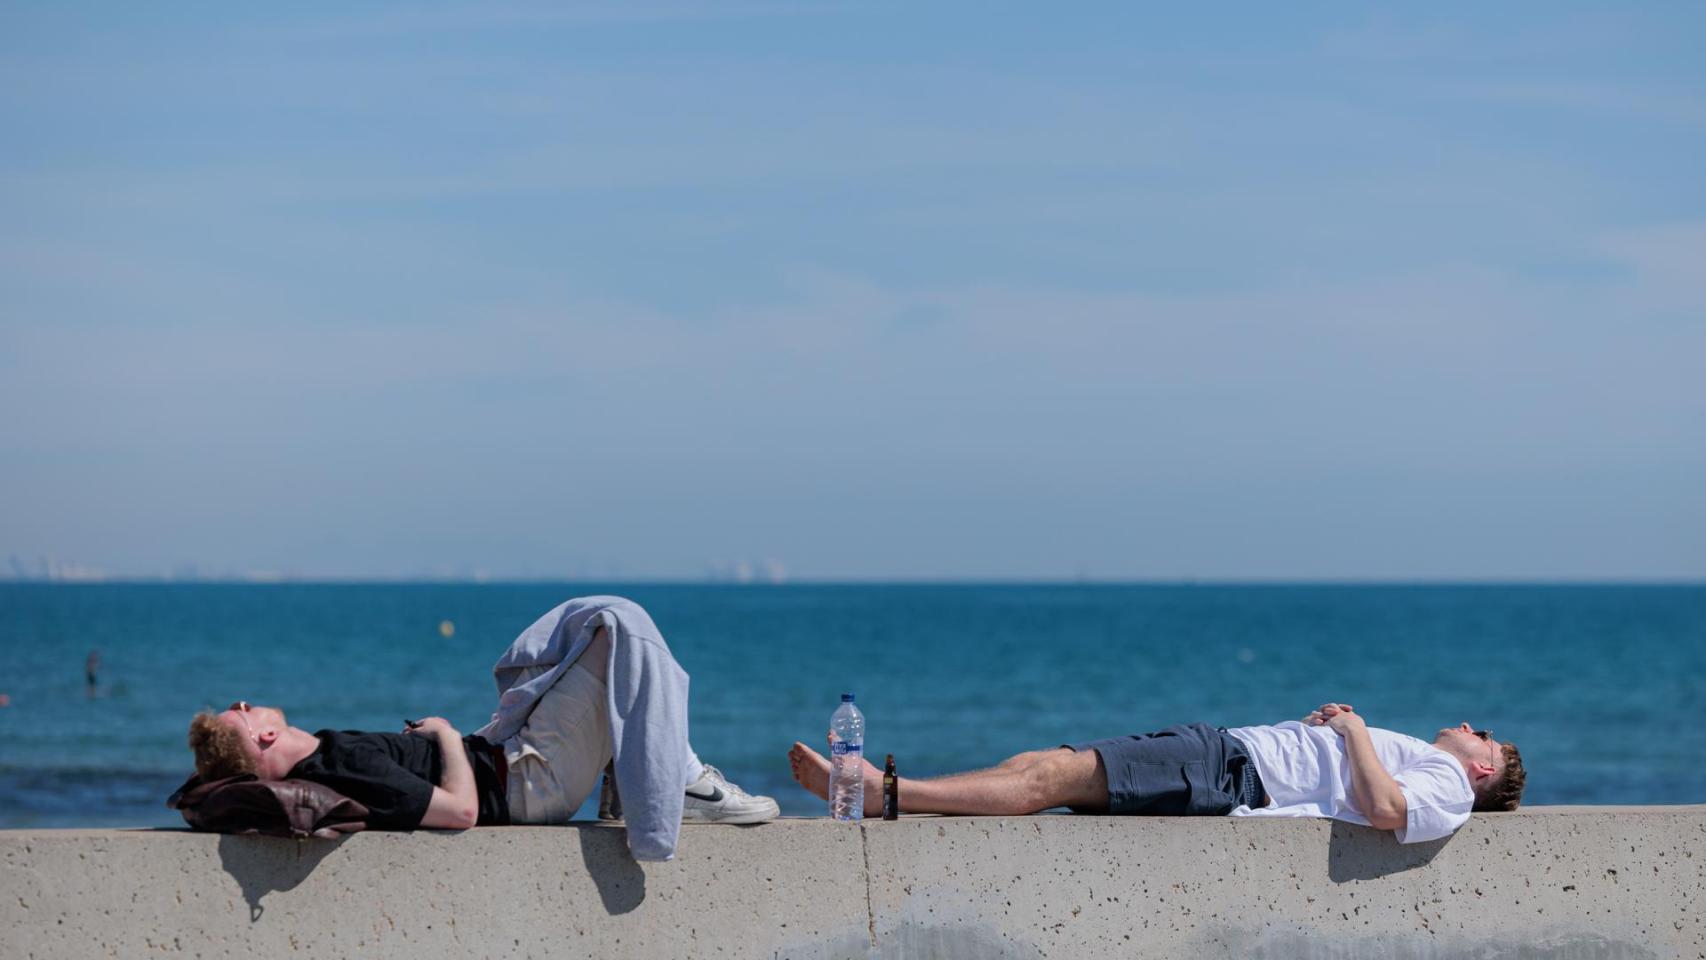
<point>1373,790</point>
<point>455,804</point>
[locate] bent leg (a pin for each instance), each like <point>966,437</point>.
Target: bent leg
<point>556,758</point>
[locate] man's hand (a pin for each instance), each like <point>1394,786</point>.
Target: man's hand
<point>1345,722</point>
<point>1340,716</point>
<point>430,726</point>
<point>454,803</point>
<point>1373,791</point>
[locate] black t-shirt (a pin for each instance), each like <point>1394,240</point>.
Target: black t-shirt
<point>392,774</point>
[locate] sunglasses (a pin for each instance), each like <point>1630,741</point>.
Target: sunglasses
<point>1492,752</point>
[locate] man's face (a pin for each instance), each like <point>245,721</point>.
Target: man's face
<point>260,726</point>
<point>1476,748</point>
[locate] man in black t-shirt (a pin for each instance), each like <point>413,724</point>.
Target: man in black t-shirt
<point>393,775</point>
<point>427,776</point>
<point>430,775</point>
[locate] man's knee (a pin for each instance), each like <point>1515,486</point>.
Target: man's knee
<point>596,657</point>
<point>1065,777</point>
<point>1023,760</point>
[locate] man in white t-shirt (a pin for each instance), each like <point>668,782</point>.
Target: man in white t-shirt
<point>1329,764</point>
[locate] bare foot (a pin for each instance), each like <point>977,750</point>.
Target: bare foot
<point>811,770</point>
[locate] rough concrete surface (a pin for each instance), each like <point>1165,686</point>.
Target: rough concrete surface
<point>1552,882</point>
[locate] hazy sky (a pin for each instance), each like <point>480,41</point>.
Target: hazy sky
<point>860,289</point>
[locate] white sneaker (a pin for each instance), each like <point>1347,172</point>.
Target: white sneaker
<point>713,799</point>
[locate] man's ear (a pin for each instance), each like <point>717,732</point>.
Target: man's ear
<point>1479,771</point>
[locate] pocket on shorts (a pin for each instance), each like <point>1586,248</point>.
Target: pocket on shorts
<point>1203,796</point>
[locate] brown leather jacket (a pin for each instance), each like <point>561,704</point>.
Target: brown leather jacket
<point>283,808</point>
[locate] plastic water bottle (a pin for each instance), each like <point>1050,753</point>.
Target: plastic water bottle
<point>846,761</point>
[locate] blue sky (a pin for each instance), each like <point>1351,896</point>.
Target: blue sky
<point>854,290</point>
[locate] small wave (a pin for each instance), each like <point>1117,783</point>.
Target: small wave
<point>32,797</point>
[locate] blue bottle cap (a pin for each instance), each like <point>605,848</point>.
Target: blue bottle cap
<point>847,698</point>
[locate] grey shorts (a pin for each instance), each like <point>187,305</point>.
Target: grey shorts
<point>1191,769</point>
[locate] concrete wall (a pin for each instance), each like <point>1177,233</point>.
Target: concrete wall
<point>1557,882</point>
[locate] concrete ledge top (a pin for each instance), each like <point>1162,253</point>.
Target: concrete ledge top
<point>1536,883</point>
<point>1625,810</point>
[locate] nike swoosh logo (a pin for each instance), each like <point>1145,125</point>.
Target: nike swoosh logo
<point>715,796</point>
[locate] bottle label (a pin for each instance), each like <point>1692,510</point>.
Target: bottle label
<point>842,748</point>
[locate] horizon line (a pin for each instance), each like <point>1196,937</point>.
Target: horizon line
<point>1251,581</point>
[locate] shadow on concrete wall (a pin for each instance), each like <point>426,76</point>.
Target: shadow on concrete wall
<point>1364,853</point>
<point>621,882</point>
<point>262,865</point>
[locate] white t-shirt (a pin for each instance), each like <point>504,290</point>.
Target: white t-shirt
<point>1308,774</point>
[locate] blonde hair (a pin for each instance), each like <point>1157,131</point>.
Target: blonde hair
<point>218,747</point>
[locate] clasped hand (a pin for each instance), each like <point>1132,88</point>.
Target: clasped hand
<point>428,726</point>
<point>1340,716</point>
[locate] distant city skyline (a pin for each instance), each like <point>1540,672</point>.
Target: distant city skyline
<point>769,573</point>
<point>867,292</point>
<point>46,569</point>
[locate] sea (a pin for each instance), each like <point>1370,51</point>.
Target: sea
<point>1603,688</point>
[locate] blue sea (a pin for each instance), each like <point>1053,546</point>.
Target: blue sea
<point>1602,687</point>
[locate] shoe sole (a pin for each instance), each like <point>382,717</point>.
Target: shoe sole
<point>754,816</point>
